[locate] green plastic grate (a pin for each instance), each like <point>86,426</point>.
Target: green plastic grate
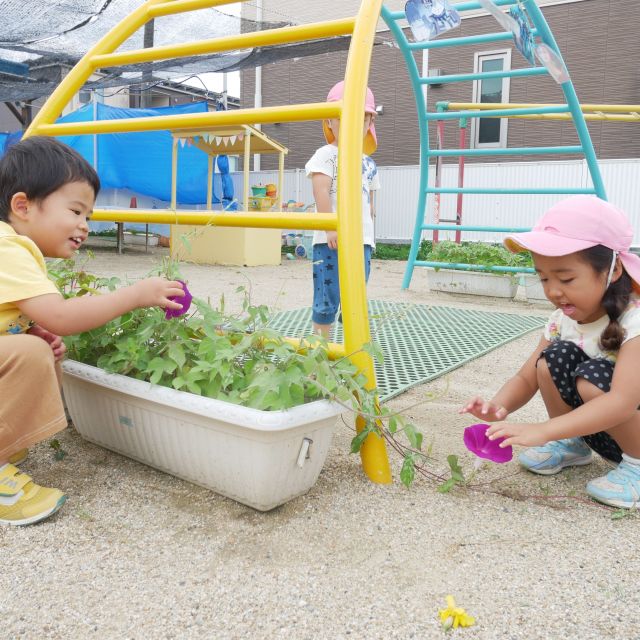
<point>421,342</point>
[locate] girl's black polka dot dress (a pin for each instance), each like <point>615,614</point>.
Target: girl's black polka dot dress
<point>567,362</point>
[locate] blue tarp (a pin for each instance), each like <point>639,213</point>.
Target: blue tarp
<point>141,161</point>
<point>7,139</point>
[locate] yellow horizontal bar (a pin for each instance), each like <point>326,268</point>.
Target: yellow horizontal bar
<point>267,220</point>
<point>605,108</point>
<point>610,117</point>
<point>612,108</point>
<point>287,113</point>
<point>299,33</point>
<point>182,6</point>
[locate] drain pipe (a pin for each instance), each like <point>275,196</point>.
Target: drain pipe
<point>257,98</point>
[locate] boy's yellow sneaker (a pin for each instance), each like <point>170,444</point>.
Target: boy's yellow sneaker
<point>19,456</point>
<point>24,502</point>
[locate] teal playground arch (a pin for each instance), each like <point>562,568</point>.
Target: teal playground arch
<point>542,34</point>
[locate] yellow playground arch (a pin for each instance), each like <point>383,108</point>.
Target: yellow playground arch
<point>347,219</point>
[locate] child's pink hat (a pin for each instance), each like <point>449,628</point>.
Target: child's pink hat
<point>370,140</point>
<point>577,223</point>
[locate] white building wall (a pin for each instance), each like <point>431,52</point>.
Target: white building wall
<point>398,196</point>
<point>306,12</point>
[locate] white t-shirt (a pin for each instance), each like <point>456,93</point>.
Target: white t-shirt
<point>325,160</point>
<point>587,336</point>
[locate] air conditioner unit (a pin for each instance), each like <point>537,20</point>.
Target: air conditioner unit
<point>435,73</point>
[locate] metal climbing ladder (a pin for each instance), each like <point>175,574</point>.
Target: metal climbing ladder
<point>543,34</point>
<point>348,218</point>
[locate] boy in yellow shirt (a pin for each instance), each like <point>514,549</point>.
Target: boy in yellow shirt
<point>47,193</point>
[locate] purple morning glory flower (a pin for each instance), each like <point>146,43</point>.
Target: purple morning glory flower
<point>475,439</point>
<point>185,301</point>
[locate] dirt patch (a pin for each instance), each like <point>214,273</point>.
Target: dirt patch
<point>136,553</point>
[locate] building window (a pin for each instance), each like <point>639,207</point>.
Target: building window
<point>490,132</point>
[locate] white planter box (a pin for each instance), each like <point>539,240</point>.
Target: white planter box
<point>259,458</point>
<point>140,238</point>
<point>473,282</point>
<point>534,290</point>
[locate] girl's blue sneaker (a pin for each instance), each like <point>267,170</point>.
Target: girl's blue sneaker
<point>620,487</point>
<point>553,457</point>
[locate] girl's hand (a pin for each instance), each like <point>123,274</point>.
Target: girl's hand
<point>155,292</point>
<point>332,240</point>
<point>55,342</point>
<point>527,435</point>
<point>485,410</point>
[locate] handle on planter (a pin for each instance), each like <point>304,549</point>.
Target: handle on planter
<point>304,451</point>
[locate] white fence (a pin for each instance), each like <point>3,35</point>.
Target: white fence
<point>396,209</point>
<point>397,198</point>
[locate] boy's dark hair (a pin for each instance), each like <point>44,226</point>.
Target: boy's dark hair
<point>616,297</point>
<point>38,166</point>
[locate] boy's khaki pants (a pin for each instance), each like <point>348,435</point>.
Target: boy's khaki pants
<point>30,402</point>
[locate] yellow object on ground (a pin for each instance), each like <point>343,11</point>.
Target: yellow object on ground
<point>453,617</point>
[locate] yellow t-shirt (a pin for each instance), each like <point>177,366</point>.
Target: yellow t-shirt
<point>23,274</point>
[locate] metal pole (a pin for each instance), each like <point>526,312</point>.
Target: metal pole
<point>463,145</point>
<point>94,102</point>
<point>245,175</point>
<point>257,99</point>
<point>209,182</point>
<point>27,114</point>
<point>438,179</point>
<point>147,75</point>
<point>225,91</point>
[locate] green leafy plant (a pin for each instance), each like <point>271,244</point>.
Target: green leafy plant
<point>477,253</point>
<point>58,452</point>
<point>385,251</point>
<point>457,475</point>
<point>105,233</point>
<point>232,357</point>
<point>619,514</point>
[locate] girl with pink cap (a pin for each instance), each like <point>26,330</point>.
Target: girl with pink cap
<point>586,364</point>
<point>322,168</point>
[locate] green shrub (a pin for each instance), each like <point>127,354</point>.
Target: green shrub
<point>400,251</point>
<point>478,253</point>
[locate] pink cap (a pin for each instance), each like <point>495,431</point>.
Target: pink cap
<point>370,140</point>
<point>577,223</point>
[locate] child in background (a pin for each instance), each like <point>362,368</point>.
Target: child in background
<point>47,193</point>
<point>586,364</point>
<point>322,168</point>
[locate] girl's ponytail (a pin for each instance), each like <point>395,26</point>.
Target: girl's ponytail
<point>615,299</point>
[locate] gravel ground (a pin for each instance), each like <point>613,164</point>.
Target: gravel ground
<point>136,553</point>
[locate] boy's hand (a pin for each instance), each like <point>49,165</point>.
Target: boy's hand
<point>485,410</point>
<point>155,292</point>
<point>528,435</point>
<point>55,342</point>
<point>332,240</point>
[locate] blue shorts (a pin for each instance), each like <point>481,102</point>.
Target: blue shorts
<point>326,282</point>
